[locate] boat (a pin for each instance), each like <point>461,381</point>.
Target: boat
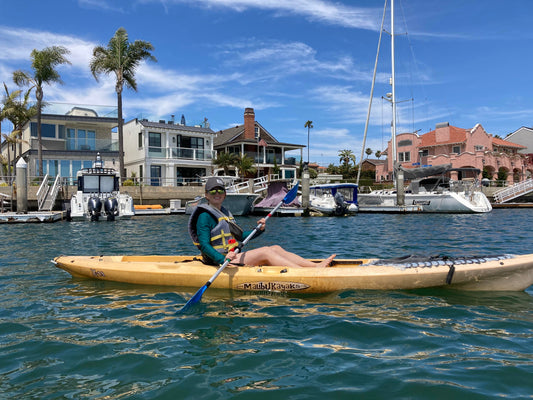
<point>488,273</point>
<point>432,191</point>
<point>98,195</point>
<point>276,191</point>
<point>334,198</point>
<point>238,203</point>
<point>434,196</point>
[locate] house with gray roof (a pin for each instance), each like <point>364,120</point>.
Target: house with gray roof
<point>167,153</point>
<point>71,137</point>
<point>252,139</point>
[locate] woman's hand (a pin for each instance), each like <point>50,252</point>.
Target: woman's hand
<point>262,221</point>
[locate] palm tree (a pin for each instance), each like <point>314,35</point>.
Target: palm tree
<point>43,63</point>
<point>225,160</point>
<point>345,156</point>
<point>378,154</point>
<point>18,111</point>
<point>368,152</point>
<point>308,125</point>
<point>121,58</point>
<point>245,165</point>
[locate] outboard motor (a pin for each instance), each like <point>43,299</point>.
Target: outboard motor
<point>341,206</point>
<point>111,208</point>
<point>94,207</point>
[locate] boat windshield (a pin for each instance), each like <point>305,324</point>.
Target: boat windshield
<point>97,184</point>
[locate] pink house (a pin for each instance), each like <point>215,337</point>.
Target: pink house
<point>473,148</point>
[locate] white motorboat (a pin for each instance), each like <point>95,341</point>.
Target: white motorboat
<point>98,195</point>
<point>334,198</point>
<point>436,193</point>
<point>236,202</point>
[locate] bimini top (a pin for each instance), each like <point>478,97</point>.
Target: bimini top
<point>422,172</point>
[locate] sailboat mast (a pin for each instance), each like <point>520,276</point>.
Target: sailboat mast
<point>393,83</point>
<point>397,172</point>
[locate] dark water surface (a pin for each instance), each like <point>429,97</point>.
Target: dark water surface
<point>64,338</point>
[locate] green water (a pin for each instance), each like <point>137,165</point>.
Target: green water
<point>63,338</point>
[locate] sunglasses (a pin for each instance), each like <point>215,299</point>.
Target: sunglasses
<point>215,191</point>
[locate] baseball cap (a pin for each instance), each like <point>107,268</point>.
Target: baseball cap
<point>214,182</point>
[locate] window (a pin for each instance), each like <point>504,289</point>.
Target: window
<point>155,174</point>
<point>197,143</point>
<point>477,147</point>
<point>140,140</point>
<point>456,149</point>
<point>404,156</point>
<point>424,153</point>
<point>81,139</point>
<point>406,142</point>
<point>154,142</point>
<point>47,130</point>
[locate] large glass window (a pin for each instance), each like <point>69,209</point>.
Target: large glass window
<point>47,130</point>
<point>155,174</point>
<point>185,175</point>
<point>154,142</point>
<point>81,139</point>
<point>76,166</point>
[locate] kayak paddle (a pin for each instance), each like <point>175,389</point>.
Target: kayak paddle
<point>290,196</point>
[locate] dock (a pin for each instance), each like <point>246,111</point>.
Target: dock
<point>32,217</point>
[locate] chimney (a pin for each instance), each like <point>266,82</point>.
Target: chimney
<point>249,123</point>
<point>442,132</point>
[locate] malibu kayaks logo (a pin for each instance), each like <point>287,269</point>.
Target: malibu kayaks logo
<point>273,286</point>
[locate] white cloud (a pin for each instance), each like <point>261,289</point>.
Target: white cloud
<point>315,10</point>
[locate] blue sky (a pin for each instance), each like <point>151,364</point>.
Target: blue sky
<point>465,62</point>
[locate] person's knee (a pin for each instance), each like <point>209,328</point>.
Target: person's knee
<point>275,248</point>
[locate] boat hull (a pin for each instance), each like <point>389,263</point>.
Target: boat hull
<point>449,202</point>
<point>512,273</point>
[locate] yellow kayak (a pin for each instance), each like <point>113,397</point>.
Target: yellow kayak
<point>501,273</point>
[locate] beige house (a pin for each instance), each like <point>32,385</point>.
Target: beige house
<point>71,137</point>
<point>167,153</point>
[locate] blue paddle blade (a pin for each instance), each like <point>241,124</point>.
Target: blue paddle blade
<point>291,195</point>
<point>193,300</point>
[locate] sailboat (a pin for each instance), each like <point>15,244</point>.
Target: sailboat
<point>438,194</point>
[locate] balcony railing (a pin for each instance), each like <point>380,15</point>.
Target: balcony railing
<point>181,153</point>
<point>72,145</point>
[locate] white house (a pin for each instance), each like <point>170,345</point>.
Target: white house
<point>167,153</point>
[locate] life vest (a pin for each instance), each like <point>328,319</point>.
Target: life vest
<point>221,234</point>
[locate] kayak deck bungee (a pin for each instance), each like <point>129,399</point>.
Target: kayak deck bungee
<point>495,273</point>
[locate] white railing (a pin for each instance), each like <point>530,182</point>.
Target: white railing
<point>514,191</point>
<point>50,199</point>
<point>42,192</point>
<point>259,184</point>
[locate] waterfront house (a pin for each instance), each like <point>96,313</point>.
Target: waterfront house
<point>523,136</point>
<point>461,148</point>
<point>167,153</point>
<point>71,137</point>
<point>252,139</point>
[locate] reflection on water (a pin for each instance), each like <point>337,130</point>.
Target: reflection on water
<point>68,338</point>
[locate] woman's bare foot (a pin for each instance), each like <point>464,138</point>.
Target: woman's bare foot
<point>325,263</point>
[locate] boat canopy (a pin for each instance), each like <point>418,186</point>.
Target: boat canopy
<point>422,172</point>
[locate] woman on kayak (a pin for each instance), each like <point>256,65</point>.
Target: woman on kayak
<point>215,233</point>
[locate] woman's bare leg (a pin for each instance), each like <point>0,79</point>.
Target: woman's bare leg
<point>276,255</point>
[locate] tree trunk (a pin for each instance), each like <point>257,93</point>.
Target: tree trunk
<point>122,170</point>
<point>39,95</point>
